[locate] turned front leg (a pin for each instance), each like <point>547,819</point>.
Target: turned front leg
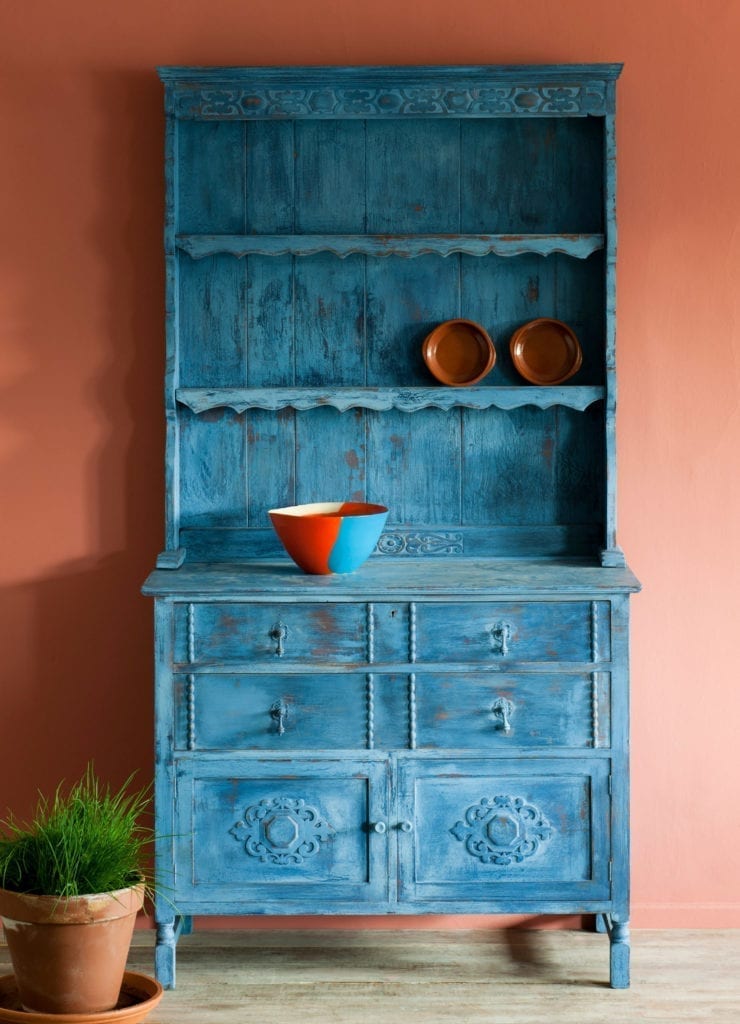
<point>619,953</point>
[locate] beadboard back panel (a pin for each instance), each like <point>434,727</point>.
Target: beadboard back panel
<point>278,286</point>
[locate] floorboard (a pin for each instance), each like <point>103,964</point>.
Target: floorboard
<point>507,976</point>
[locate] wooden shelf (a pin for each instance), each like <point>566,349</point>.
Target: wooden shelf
<point>382,399</point>
<point>579,246</point>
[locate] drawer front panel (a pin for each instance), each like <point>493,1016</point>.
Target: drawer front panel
<point>282,830</point>
<point>271,634</point>
<point>495,633</point>
<point>271,712</point>
<point>482,830</point>
<point>493,713</point>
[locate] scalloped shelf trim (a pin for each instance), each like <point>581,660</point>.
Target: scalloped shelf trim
<point>406,246</point>
<point>200,400</point>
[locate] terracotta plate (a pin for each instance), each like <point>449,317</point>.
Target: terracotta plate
<point>545,351</point>
<point>139,995</point>
<point>459,352</point>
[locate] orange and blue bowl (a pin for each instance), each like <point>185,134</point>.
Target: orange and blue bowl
<point>329,536</point>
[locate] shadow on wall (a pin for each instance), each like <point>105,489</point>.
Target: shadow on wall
<point>78,675</point>
<point>80,680</point>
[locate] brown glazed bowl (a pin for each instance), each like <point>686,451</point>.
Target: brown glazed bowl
<point>545,351</point>
<point>459,353</point>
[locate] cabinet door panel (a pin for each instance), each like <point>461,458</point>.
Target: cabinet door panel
<point>280,830</point>
<point>498,829</point>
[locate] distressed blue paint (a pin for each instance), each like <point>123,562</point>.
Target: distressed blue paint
<point>383,399</point>
<point>436,863</point>
<point>235,545</point>
<point>574,90</point>
<point>413,579</point>
<point>445,730</point>
<point>407,246</point>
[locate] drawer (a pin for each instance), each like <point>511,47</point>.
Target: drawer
<point>504,829</point>
<point>250,832</point>
<point>493,713</point>
<point>271,712</point>
<point>493,632</point>
<point>270,633</point>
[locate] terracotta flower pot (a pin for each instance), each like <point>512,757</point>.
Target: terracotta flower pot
<point>69,955</point>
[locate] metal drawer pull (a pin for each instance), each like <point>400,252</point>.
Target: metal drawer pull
<point>279,714</point>
<point>503,709</point>
<point>378,826</point>
<point>500,634</point>
<point>406,826</point>
<point>279,634</point>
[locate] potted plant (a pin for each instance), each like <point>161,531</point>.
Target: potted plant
<point>72,883</point>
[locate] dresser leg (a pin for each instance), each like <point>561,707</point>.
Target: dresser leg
<point>619,953</point>
<point>601,927</point>
<point>164,953</point>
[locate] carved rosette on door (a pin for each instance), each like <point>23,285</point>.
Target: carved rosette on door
<point>502,830</point>
<point>282,830</point>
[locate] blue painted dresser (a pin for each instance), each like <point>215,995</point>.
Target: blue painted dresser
<point>445,730</point>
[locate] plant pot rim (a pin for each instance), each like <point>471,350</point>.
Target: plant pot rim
<point>83,909</point>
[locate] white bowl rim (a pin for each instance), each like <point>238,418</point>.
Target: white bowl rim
<point>318,508</point>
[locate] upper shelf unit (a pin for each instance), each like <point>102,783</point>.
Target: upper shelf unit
<point>579,246</point>
<point>272,399</point>
<point>320,223</point>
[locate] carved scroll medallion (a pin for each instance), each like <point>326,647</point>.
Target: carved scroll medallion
<point>281,830</point>
<point>502,830</point>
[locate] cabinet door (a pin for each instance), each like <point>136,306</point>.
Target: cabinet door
<point>503,832</point>
<point>281,833</point>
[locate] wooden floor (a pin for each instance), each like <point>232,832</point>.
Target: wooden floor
<point>510,976</point>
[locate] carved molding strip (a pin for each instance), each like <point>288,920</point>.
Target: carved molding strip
<point>409,101</point>
<point>580,246</point>
<point>594,631</point>
<point>412,711</point>
<point>370,620</point>
<point>595,709</point>
<point>281,830</point>
<point>403,542</point>
<point>502,830</point>
<point>370,697</point>
<point>409,400</point>
<point>191,711</point>
<point>191,633</point>
<point>412,631</point>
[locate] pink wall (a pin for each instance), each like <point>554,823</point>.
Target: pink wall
<point>81,360</point>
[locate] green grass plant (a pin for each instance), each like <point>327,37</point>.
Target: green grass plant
<point>81,841</point>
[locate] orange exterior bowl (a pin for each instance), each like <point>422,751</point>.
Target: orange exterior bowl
<point>329,536</point>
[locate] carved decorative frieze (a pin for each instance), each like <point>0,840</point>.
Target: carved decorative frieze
<point>281,830</point>
<point>407,543</point>
<point>502,830</point>
<point>409,101</point>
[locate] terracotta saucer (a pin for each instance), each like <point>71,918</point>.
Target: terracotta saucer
<point>459,352</point>
<point>139,995</point>
<point>545,351</point>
